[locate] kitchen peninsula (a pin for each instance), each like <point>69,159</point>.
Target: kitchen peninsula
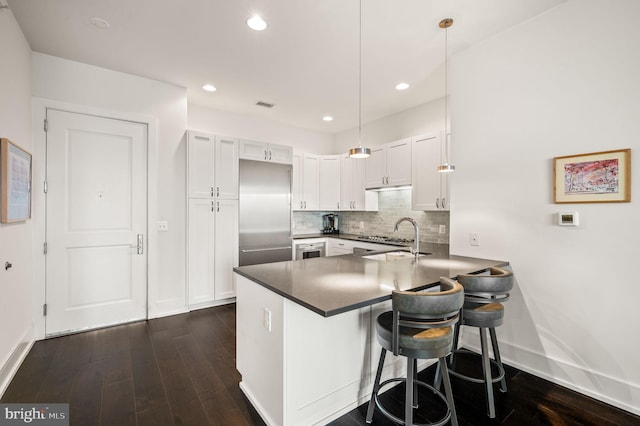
<point>306,345</point>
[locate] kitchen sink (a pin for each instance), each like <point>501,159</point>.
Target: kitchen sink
<point>391,256</point>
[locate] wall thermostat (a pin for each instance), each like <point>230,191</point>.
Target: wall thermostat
<point>568,219</point>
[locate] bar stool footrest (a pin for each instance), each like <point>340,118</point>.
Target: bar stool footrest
<point>400,421</point>
<point>493,362</point>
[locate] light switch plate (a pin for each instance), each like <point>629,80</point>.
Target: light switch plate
<point>163,225</point>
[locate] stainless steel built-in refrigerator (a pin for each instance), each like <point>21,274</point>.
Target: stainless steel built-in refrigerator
<point>265,212</point>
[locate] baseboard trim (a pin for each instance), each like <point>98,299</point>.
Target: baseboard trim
<point>534,362</point>
<point>9,369</point>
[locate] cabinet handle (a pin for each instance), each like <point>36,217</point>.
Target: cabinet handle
<point>338,205</point>
<point>265,154</point>
<point>217,191</point>
<point>301,204</point>
<point>442,203</point>
<point>269,155</point>
<point>305,204</point>
<point>437,203</point>
<point>212,206</point>
<point>218,206</point>
<point>382,180</point>
<point>212,191</point>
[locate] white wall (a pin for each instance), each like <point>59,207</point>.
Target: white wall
<point>15,239</point>
<point>255,128</point>
<point>564,83</point>
<point>71,82</point>
<point>423,119</point>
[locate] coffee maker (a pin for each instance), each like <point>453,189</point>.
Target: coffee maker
<point>330,224</point>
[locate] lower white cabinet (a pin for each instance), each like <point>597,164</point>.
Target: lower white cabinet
<point>212,250</point>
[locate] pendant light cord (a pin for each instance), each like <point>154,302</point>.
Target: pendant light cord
<point>446,93</point>
<point>360,76</point>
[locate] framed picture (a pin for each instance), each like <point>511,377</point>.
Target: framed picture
<point>599,177</point>
<point>15,182</point>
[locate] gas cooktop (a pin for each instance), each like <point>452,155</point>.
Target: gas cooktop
<point>384,239</point>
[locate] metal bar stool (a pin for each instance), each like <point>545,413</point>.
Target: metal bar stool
<point>418,327</point>
<point>483,297</point>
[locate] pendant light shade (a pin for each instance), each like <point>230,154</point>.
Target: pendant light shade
<point>360,151</point>
<point>446,167</point>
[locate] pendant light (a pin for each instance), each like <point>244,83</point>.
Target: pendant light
<point>360,151</point>
<point>446,167</point>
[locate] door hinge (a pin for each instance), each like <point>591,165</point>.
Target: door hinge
<point>44,310</point>
<point>45,187</point>
<point>46,125</point>
<point>45,248</point>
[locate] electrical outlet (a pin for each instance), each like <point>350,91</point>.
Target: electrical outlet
<point>442,229</point>
<point>163,225</point>
<point>474,239</point>
<point>266,319</point>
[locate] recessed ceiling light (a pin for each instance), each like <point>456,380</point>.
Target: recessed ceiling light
<point>402,86</point>
<point>256,23</point>
<point>209,88</point>
<point>100,23</point>
<point>327,118</point>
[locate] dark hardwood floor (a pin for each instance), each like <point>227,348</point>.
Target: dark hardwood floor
<point>180,370</point>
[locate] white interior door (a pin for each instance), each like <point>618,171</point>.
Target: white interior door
<point>96,223</point>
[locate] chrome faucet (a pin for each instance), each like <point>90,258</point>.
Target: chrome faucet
<point>415,251</point>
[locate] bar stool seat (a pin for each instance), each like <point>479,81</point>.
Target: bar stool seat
<point>418,327</point>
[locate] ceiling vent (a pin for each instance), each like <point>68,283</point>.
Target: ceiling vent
<point>264,104</point>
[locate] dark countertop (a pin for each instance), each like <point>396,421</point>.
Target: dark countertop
<point>337,284</point>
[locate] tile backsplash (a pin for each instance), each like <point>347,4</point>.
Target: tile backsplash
<point>392,205</point>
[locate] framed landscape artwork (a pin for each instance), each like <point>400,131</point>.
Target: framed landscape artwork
<point>15,182</point>
<point>599,177</point>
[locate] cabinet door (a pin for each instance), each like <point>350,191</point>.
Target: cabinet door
<point>347,165</point>
<point>226,169</point>
<point>254,150</point>
<point>375,168</point>
<point>226,248</point>
<point>296,182</point>
<point>200,170</point>
<point>200,251</point>
<point>310,181</point>
<point>329,182</point>
<point>280,153</point>
<point>399,163</point>
<point>426,193</point>
<point>358,188</point>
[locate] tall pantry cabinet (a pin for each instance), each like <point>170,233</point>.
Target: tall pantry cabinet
<point>212,218</point>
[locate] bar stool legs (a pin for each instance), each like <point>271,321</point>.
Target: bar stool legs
<point>411,390</point>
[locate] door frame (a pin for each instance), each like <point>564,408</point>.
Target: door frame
<point>39,111</point>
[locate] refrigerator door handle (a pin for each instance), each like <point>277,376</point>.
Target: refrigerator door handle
<point>264,249</point>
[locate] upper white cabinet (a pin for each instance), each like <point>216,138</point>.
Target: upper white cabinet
<point>329,182</point>
<point>430,189</point>
<point>212,166</point>
<point>352,186</point>
<point>262,151</point>
<point>306,180</point>
<point>389,165</point>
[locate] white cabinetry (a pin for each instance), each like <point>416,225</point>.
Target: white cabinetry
<point>212,166</point>
<point>305,185</point>
<point>389,165</point>
<point>338,246</point>
<point>262,151</point>
<point>329,182</point>
<point>430,188</point>
<point>212,218</point>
